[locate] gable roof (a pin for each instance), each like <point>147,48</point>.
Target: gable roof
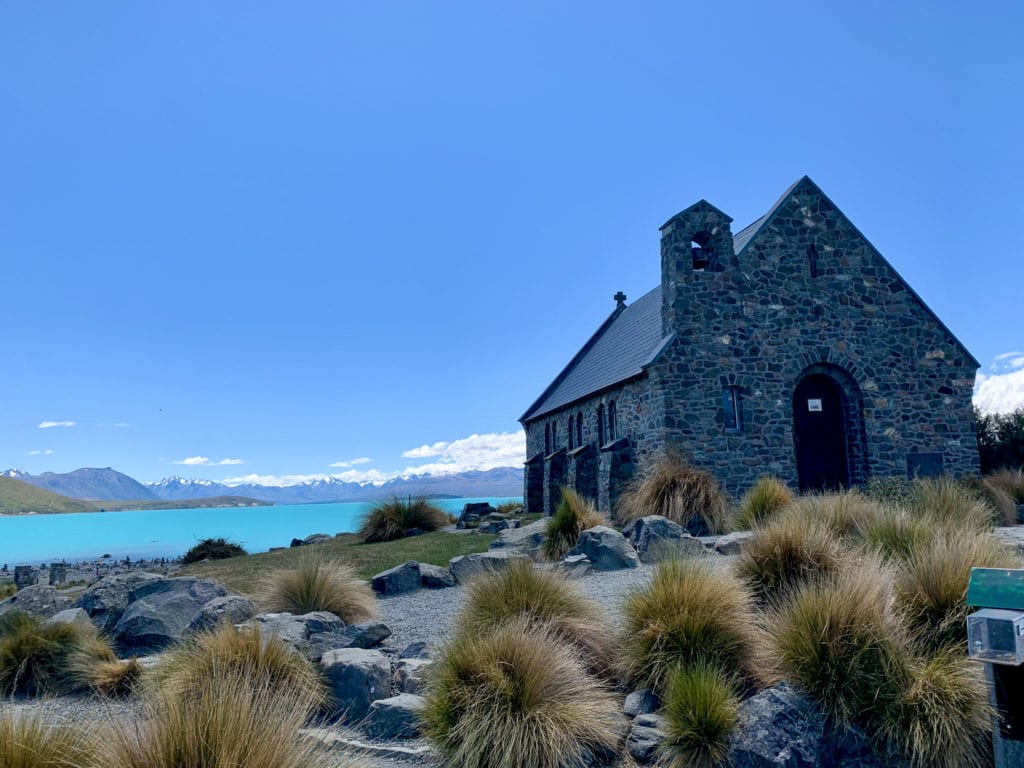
<point>619,350</point>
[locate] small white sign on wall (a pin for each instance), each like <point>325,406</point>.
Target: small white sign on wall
<point>813,405</point>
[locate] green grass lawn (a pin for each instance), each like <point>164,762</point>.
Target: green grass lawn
<point>246,574</point>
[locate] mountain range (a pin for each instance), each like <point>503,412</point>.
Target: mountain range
<point>109,484</point>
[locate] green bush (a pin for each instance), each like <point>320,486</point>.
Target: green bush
<point>701,712</point>
<point>573,515</point>
<point>673,489</point>
<point>762,502</point>
<point>318,585</point>
<point>517,696</point>
<point>688,615</point>
<point>1000,440</point>
<point>38,659</point>
<point>213,549</point>
<point>786,554</point>
<point>390,519</point>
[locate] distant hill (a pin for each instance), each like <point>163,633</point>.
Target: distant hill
<point>211,502</point>
<point>105,484</point>
<point>20,498</point>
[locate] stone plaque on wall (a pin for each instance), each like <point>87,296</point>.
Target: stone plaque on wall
<point>924,465</point>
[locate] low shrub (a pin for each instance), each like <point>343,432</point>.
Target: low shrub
<point>527,594</point>
<point>266,662</point>
<point>673,489</point>
<point>889,491</point>
<point>786,554</point>
<point>390,519</point>
<point>38,659</point>
<point>847,514</point>
<point>701,712</point>
<point>213,549</point>
<point>688,615</point>
<point>930,589</point>
<point>514,697</point>
<point>762,502</point>
<point>317,585</point>
<point>573,515</point>
<point>27,740</point>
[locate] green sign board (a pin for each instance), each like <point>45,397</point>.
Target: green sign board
<point>996,588</point>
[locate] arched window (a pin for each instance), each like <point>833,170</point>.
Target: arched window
<point>600,425</point>
<point>700,246</point>
<point>611,420</point>
<point>579,429</point>
<point>812,259</point>
<point>547,439</point>
<point>571,433</point>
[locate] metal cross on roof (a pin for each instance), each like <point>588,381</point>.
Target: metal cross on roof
<point>620,299</point>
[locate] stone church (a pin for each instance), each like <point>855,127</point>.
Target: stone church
<point>791,348</point>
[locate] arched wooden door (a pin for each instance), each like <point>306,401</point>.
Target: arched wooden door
<point>819,434</point>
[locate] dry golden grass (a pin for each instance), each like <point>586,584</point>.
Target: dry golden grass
<point>847,514</point>
<point>1010,481</point>
<point>997,495</point>
<point>688,615</point>
<point>787,553</point>
<point>930,589</point>
<point>28,741</point>
<point>517,696</point>
<point>945,503</point>
<point>319,585</point>
<point>390,519</point>
<point>763,502</point>
<point>266,662</point>
<point>897,534</point>
<point>115,678</point>
<point>573,515</point>
<point>673,489</point>
<point>522,592</point>
<point>701,713</point>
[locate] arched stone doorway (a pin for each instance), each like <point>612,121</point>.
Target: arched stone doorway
<point>828,435</point>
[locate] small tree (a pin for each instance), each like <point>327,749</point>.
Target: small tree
<point>1000,439</point>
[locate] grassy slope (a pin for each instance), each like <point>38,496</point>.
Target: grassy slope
<point>246,574</point>
<point>20,498</point>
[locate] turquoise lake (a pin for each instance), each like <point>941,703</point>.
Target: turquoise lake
<point>32,539</point>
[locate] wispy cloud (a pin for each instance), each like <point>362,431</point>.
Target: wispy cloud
<point>52,424</point>
<point>229,462</point>
<point>351,462</point>
<point>1002,390</point>
<point>203,461</point>
<point>47,452</point>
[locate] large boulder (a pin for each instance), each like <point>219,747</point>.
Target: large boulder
<point>732,543</point>
<point>160,611</point>
<point>228,609</point>
<point>71,616</point>
<point>398,580</point>
<point>465,567</point>
<point>435,577</point>
<point>606,548</point>
<point>106,600</point>
<point>311,634</point>
<point>396,717</point>
<point>527,540</point>
<point>410,674</point>
<point>355,678</point>
<point>39,600</point>
<point>655,537</point>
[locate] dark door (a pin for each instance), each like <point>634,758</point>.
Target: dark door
<point>819,433</point>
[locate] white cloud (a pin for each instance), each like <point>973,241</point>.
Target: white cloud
<point>121,424</point>
<point>47,452</point>
<point>203,461</point>
<point>51,424</point>
<point>230,462</point>
<point>352,462</point>
<point>1002,390</point>
<point>480,452</point>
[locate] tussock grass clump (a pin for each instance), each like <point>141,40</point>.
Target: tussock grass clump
<point>787,553</point>
<point>318,585</point>
<point>509,507</point>
<point>266,662</point>
<point>521,592</point>
<point>573,515</point>
<point>998,498</point>
<point>517,696</point>
<point>763,502</point>
<point>930,589</point>
<point>213,549</point>
<point>390,519</point>
<point>113,679</point>
<point>1011,481</point>
<point>227,722</point>
<point>27,740</point>
<point>847,514</point>
<point>943,502</point>
<point>701,712</point>
<point>896,535</point>
<point>673,489</point>
<point>6,590</point>
<point>38,659</point>
<point>688,615</point>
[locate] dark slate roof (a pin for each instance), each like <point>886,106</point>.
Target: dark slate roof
<point>617,352</point>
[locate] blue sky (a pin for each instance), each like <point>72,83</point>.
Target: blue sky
<point>295,236</point>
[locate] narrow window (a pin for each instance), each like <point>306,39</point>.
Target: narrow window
<point>554,436</point>
<point>600,425</point>
<point>571,433</point>
<point>700,247</point>
<point>731,409</point>
<point>547,439</point>
<point>611,420</point>
<point>812,259</point>
<point>579,429</point>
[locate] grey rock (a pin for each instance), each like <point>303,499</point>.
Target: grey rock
<point>24,576</point>
<point>227,609</point>
<point>465,567</point>
<point>58,573</point>
<point>410,674</point>
<point>732,543</point>
<point>476,509</point>
<point>70,616</point>
<point>398,580</point>
<point>311,634</point>
<point>645,737</point>
<point>316,538</point>
<point>159,611</point>
<point>527,540</point>
<point>39,600</point>
<point>396,717</point>
<point>367,634</point>
<point>417,650</point>
<point>356,678</point>
<point>575,566</point>
<point>435,577</point>
<point>655,537</point>
<point>106,600</point>
<point>606,548</point>
<point>493,527</point>
<point>642,702</point>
